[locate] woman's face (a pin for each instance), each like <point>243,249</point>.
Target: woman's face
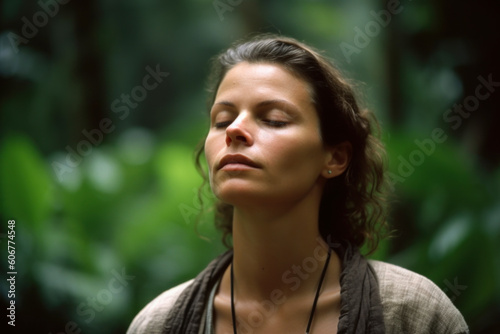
<point>264,145</point>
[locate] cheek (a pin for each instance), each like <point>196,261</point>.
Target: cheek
<point>209,152</point>
<point>210,155</point>
<point>304,165</point>
<point>301,155</point>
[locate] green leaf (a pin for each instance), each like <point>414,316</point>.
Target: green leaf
<point>25,182</point>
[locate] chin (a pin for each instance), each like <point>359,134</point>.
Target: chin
<point>237,195</point>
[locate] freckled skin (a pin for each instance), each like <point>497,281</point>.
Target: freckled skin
<point>282,137</point>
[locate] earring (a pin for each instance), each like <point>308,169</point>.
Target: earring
<point>329,171</point>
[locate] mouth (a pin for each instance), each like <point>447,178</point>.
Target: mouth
<point>236,161</point>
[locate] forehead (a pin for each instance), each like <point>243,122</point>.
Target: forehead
<point>263,80</point>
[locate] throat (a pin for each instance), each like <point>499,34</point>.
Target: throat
<point>277,298</point>
<point>285,255</point>
<point>283,273</point>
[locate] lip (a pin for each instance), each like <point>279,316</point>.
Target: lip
<point>237,161</point>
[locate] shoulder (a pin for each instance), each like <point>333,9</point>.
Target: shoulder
<point>414,304</point>
<point>152,317</point>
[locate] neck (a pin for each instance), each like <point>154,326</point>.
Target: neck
<point>279,250</point>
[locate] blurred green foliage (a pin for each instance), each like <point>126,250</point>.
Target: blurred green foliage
<point>129,203</point>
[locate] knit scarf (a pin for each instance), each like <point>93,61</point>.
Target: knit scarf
<point>360,309</point>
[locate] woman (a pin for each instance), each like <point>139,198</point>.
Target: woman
<point>298,173</point>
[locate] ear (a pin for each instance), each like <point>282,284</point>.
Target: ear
<point>337,159</point>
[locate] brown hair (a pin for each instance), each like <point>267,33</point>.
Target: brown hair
<point>353,205</point>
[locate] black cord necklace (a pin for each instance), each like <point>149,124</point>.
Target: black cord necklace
<point>311,316</point>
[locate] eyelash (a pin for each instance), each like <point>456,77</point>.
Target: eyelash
<point>276,124</point>
<point>221,125</point>
<point>272,123</point>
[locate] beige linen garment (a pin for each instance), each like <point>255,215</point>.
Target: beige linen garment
<point>411,303</point>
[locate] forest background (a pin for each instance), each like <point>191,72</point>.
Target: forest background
<point>103,103</point>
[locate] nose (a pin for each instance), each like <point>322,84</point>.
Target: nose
<point>238,132</point>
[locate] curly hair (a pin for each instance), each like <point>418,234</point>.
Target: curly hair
<point>353,206</point>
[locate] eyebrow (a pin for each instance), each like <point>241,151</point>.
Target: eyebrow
<point>262,104</point>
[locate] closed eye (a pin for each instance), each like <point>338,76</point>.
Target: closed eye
<point>275,124</point>
<point>222,125</point>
